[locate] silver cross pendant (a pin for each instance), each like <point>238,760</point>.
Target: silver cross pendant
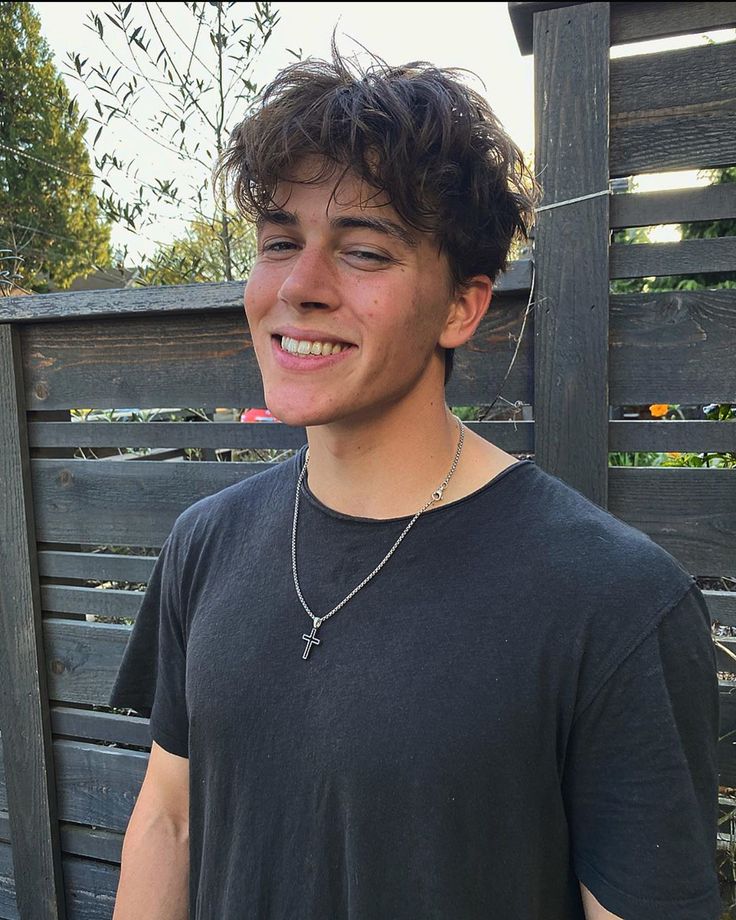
<point>311,640</point>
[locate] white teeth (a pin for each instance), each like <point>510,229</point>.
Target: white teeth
<point>305,347</point>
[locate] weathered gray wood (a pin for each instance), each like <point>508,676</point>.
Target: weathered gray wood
<point>692,436</point>
<point>101,602</point>
<point>660,344</point>
<point>688,80</point>
<point>93,842</point>
<point>98,784</point>
<point>93,725</point>
<point>8,906</point>
<point>207,360</point>
<point>646,144</point>
<point>647,209</point>
<point>4,827</point>
<point>722,607</point>
<point>95,566</point>
<point>511,436</point>
<point>690,512</point>
<point>636,21</point>
<point>29,768</point>
<point>83,659</point>
<point>255,436</point>
<point>570,382</point>
<point>72,497</point>
<point>688,257</point>
<point>726,746</point>
<point>225,296</point>
<point>3,790</point>
<point>90,888</point>
<point>673,110</point>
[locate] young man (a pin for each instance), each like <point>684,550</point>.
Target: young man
<point>404,674</point>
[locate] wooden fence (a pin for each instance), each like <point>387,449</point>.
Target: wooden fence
<point>70,769</point>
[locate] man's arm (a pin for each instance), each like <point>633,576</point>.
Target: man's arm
<point>154,875</point>
<point>594,910</point>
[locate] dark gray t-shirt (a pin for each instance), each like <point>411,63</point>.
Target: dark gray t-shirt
<point>524,696</point>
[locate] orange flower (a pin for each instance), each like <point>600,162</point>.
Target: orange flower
<point>673,453</point>
<point>659,409</point>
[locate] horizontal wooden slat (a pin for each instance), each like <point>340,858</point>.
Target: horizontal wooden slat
<point>636,21</point>
<point>72,498</point>
<point>163,301</point>
<point>727,734</point>
<point>101,602</point>
<point>95,566</point>
<point>515,437</point>
<point>689,512</point>
<point>673,347</point>
<point>647,209</point>
<point>241,435</point>
<point>93,725</point>
<point>4,827</point>
<point>82,660</point>
<point>686,81</point>
<point>642,260</point>
<point>691,436</point>
<point>8,907</point>
<point>97,784</point>
<point>90,888</point>
<point>722,607</point>
<point>509,435</point>
<point>207,360</point>
<point>94,842</point>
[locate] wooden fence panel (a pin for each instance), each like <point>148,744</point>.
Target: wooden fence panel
<point>24,718</point>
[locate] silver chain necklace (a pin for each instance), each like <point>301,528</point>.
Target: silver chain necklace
<point>312,639</point>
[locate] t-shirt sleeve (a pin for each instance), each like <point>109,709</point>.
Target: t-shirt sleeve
<point>640,780</point>
<point>152,675</point>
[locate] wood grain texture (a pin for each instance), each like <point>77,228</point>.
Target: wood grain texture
<point>689,512</point>
<point>672,347</point>
<point>688,257</point>
<point>96,566</point>
<point>570,382</point>
<point>8,905</point>
<point>28,762</point>
<point>636,21</point>
<point>690,435</point>
<point>83,659</point>
<point>100,602</point>
<point>93,725</point>
<point>646,209</point>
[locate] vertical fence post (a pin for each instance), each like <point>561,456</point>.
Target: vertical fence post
<point>24,714</point>
<point>571,63</point>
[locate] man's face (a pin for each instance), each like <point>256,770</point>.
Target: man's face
<point>353,276</point>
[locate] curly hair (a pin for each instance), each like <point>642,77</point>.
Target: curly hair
<point>415,132</point>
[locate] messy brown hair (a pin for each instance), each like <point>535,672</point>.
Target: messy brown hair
<point>415,132</point>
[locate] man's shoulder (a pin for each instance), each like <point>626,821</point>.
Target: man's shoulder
<point>597,553</point>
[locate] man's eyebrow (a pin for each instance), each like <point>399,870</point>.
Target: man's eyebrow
<point>378,224</point>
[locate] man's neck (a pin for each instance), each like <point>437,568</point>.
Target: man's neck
<point>383,468</point>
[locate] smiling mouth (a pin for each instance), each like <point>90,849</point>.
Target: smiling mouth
<point>305,348</point>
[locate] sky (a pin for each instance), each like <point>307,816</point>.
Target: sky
<point>475,36</point>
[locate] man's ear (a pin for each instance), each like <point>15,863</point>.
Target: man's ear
<point>467,309</point>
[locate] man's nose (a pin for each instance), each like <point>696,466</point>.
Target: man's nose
<point>311,281</point>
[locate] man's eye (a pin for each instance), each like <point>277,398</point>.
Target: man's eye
<point>276,246</point>
<point>369,256</point>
